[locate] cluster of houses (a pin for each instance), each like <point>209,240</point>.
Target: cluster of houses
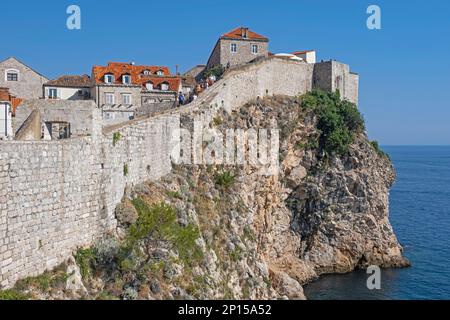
<point>122,91</point>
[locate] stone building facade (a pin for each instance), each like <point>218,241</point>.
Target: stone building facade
<point>237,47</point>
<point>135,90</point>
<point>22,81</point>
<point>68,88</point>
<point>333,75</point>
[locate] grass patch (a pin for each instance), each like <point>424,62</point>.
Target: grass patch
<point>13,294</point>
<point>86,260</point>
<point>125,169</point>
<point>173,194</point>
<point>224,179</point>
<point>236,254</point>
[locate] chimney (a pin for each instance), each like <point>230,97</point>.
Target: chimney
<point>244,32</point>
<point>132,63</point>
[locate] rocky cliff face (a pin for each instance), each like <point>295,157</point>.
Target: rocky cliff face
<point>249,235</point>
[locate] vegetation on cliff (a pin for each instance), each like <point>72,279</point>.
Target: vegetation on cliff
<point>338,121</point>
<point>231,232</point>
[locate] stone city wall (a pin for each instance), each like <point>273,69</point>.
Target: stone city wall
<point>59,195</point>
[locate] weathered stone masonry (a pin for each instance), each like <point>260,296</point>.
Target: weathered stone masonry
<point>56,196</point>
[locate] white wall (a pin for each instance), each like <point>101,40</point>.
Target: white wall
<point>69,93</point>
<point>5,120</point>
<point>308,56</point>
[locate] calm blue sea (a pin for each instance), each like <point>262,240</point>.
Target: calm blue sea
<point>420,215</point>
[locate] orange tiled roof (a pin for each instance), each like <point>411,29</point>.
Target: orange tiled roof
<point>119,68</point>
<point>15,102</point>
<point>83,81</point>
<point>173,82</point>
<point>301,52</point>
<point>237,34</point>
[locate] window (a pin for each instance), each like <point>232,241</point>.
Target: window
<point>150,100</point>
<point>126,98</point>
<point>149,86</point>
<point>254,48</point>
<point>159,73</point>
<point>12,76</point>
<point>109,78</point>
<point>58,129</point>
<point>233,48</point>
<point>126,79</point>
<point>52,93</point>
<point>164,86</point>
<point>146,72</point>
<point>109,98</point>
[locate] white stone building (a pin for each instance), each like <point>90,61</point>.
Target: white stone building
<point>68,88</point>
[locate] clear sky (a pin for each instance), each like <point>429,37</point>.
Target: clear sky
<point>404,67</point>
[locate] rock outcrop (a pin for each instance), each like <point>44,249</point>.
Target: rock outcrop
<point>256,236</point>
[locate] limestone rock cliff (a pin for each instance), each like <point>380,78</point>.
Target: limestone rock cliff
<point>250,235</point>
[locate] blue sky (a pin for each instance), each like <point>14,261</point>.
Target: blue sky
<point>404,67</point>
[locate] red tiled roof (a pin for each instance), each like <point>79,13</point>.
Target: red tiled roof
<point>13,100</point>
<point>173,82</point>
<point>301,52</point>
<point>237,34</point>
<point>83,81</point>
<point>119,68</point>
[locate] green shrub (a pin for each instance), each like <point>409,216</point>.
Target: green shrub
<point>337,120</point>
<point>125,169</point>
<point>217,121</point>
<point>159,223</point>
<point>173,194</point>
<point>224,179</point>
<point>378,149</point>
<point>116,137</point>
<point>12,294</point>
<point>86,260</point>
<point>216,71</point>
<point>45,281</point>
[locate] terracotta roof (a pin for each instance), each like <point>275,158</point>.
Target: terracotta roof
<point>173,82</point>
<point>238,32</point>
<point>13,100</point>
<point>119,68</point>
<point>301,52</point>
<point>71,81</point>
